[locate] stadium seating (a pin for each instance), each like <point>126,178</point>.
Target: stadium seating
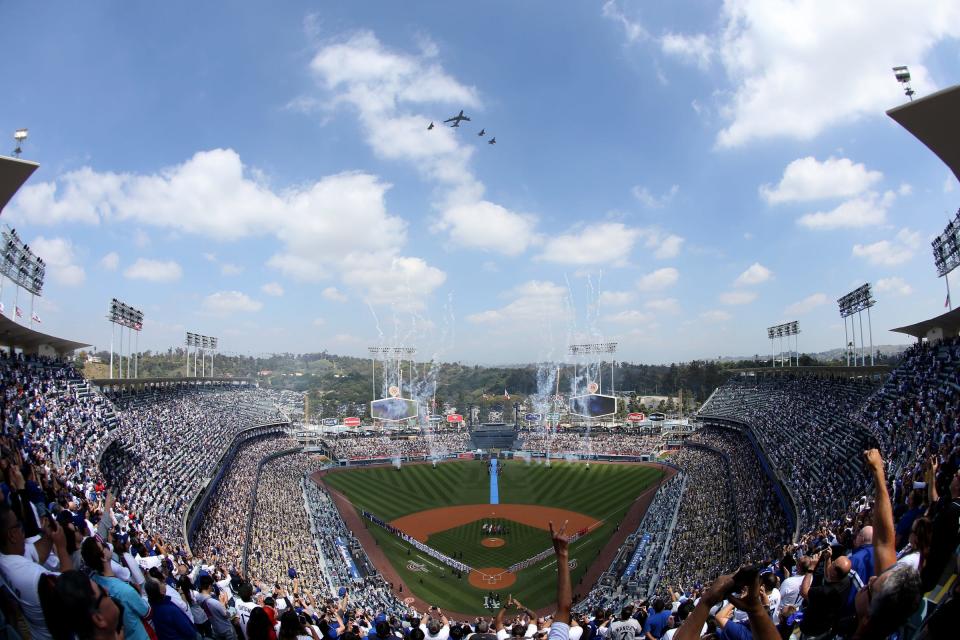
<point>766,444</point>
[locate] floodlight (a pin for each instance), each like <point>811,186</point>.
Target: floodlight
<point>903,77</point>
<point>19,136</point>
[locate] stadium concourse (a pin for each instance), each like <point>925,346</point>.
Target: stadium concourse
<point>199,492</point>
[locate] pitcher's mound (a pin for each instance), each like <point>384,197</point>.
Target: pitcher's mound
<point>493,542</point>
<point>491,579</point>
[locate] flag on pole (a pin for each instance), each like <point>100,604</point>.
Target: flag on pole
<point>17,311</point>
<point>35,318</point>
<point>946,303</point>
<point>2,310</point>
<point>505,394</point>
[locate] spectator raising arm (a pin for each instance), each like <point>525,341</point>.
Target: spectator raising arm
<point>561,544</point>
<point>884,535</point>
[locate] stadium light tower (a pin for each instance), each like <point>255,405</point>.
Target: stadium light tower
<point>856,302</point>
<point>18,137</point>
<point>595,348</point>
<point>130,318</point>
<point>25,270</point>
<point>903,77</point>
<point>771,332</point>
<point>946,253</point>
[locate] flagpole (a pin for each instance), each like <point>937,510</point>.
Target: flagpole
<point>16,299</point>
<point>31,310</point>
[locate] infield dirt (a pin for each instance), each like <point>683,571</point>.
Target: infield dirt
<point>423,523</point>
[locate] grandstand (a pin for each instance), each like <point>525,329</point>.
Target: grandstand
<point>202,479</point>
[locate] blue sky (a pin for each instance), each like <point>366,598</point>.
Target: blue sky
<point>672,176</point>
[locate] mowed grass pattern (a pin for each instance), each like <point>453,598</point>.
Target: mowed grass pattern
<point>602,491</point>
<point>390,493</point>
<point>522,542</point>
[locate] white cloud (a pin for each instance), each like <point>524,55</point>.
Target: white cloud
<point>226,302</point>
<point>229,269</point>
<point>807,179</point>
<point>652,201</point>
<point>633,316</point>
<point>272,289</point>
<point>323,226</point>
<point>615,298</point>
<point>387,88</point>
<point>755,274</point>
<point>608,242</point>
<point>154,270</point>
<point>715,315</point>
<point>659,279</point>
<point>737,297</point>
<point>331,293</point>
<point>868,210</point>
<point>487,226</point>
<point>532,302</point>
<point>890,253</point>
<point>800,66</point>
<point>665,245</point>
<point>319,322</point>
<point>110,261</point>
<point>950,183</point>
<point>633,29</point>
<point>904,189</point>
<point>894,285</point>
<point>60,258</point>
<point>663,305</point>
<point>401,281</point>
<point>806,305</point>
<point>696,49</point>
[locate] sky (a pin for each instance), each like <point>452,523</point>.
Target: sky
<point>672,176</point>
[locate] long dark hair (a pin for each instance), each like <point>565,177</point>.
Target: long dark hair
<point>185,588</point>
<point>259,627</point>
<point>290,625</point>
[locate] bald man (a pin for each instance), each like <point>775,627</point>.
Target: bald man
<point>826,600</point>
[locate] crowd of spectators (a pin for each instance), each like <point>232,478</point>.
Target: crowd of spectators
<point>167,447</point>
<point>624,443</point>
<point>879,527</point>
<point>808,429</point>
<point>764,524</point>
<point>361,446</point>
<point>218,538</point>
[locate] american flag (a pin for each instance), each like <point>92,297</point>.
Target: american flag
<point>35,318</point>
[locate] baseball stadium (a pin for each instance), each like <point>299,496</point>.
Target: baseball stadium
<point>449,354</point>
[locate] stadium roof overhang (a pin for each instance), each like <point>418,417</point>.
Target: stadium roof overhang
<point>136,382</point>
<point>943,326</point>
<point>30,341</point>
<point>933,120</point>
<point>13,173</point>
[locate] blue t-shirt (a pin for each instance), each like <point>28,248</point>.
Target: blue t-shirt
<point>134,608</point>
<point>736,631</point>
<point>657,623</point>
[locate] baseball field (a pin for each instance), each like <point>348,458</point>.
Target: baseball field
<point>447,507</point>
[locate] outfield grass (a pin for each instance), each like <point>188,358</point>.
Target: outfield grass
<point>603,492</point>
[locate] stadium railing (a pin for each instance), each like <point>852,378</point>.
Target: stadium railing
<point>253,499</point>
<point>198,504</point>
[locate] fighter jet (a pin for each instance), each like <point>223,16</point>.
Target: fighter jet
<point>430,126</point>
<point>492,140</point>
<point>457,119</point>
<point>482,132</point>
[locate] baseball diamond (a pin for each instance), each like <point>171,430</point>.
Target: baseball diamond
<point>447,509</point>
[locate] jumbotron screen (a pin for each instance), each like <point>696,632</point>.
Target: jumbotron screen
<point>393,409</point>
<point>593,405</point>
